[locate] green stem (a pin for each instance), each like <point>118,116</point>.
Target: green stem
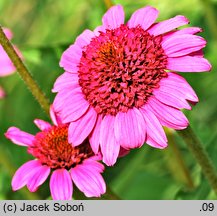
<point>175,160</point>
<point>24,73</point>
<point>188,135</point>
<point>34,88</point>
<point>201,156</point>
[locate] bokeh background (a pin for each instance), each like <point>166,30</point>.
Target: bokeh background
<point>43,29</point>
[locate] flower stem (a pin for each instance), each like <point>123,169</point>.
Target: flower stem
<point>201,156</point>
<point>175,160</point>
<point>33,86</point>
<point>24,73</point>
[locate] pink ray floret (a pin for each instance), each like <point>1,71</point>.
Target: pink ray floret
<point>53,154</point>
<point>120,86</point>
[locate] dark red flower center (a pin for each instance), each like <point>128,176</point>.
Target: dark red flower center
<point>120,68</point>
<point>51,147</point>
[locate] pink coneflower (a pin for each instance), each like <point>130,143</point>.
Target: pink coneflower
<point>6,66</point>
<point>52,151</point>
<point>118,88</point>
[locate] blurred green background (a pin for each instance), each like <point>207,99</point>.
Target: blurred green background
<point>42,30</point>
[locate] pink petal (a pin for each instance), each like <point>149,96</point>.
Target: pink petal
<point>80,129</point>
<point>168,25</point>
<point>24,174</point>
<point>54,117</point>
<point>75,107</point>
<point>144,17</point>
<point>88,180</point>
<point>2,93</point>
<point>70,105</point>
<point>123,152</point>
<point>176,83</point>
<point>153,143</point>
<point>19,137</point>
<point>70,58</point>
<point>130,129</point>
<point>38,178</point>
<point>61,185</point>
<point>42,125</point>
<point>64,97</point>
<point>189,30</point>
<point>99,29</point>
<point>168,116</point>
<point>114,17</point>
<point>109,146</point>
<point>97,157</point>
<point>188,64</point>
<point>95,165</point>
<point>154,128</point>
<point>18,52</point>
<point>94,136</point>
<point>8,33</point>
<point>6,67</point>
<point>66,80</point>
<point>84,38</point>
<point>198,53</point>
<point>4,56</point>
<point>171,97</point>
<point>180,45</point>
<point>96,177</point>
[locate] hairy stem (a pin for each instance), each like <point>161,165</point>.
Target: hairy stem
<point>34,88</point>
<point>201,156</point>
<point>24,73</point>
<point>175,160</point>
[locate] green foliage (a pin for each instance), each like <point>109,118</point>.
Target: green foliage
<point>42,30</point>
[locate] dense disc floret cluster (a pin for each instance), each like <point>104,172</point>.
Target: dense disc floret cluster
<point>53,154</point>
<point>51,147</point>
<point>120,81</point>
<point>120,68</point>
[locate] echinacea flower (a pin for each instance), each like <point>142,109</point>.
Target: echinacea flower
<point>54,154</point>
<point>6,66</point>
<point>119,87</point>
